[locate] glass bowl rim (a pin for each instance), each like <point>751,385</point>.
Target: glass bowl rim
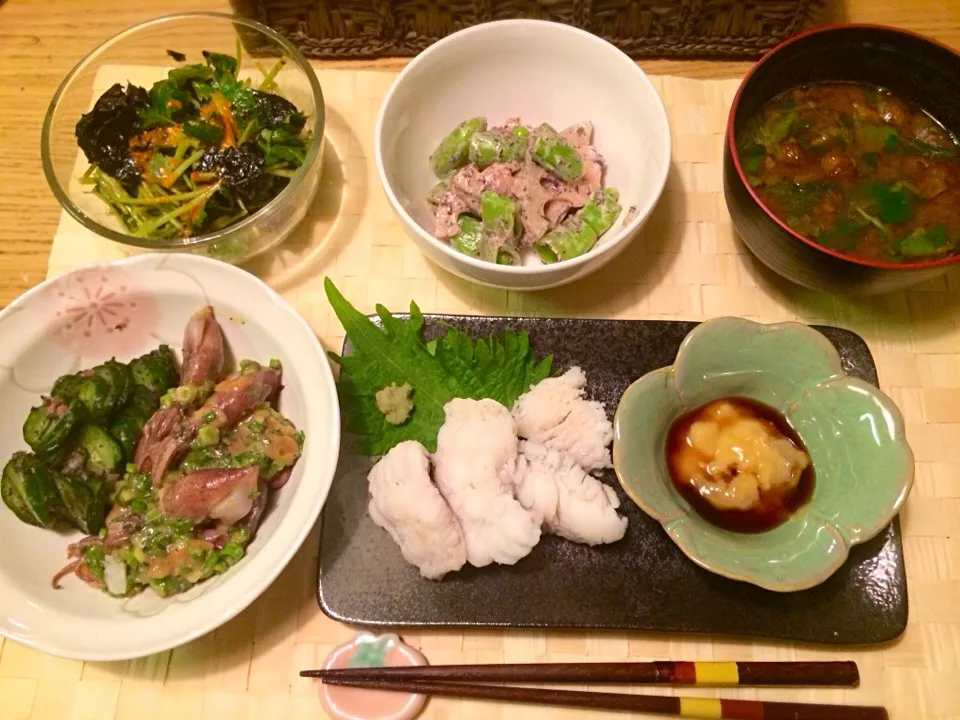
<point>319,121</point>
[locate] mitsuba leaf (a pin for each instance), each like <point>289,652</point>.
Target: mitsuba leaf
<point>875,138</point>
<point>204,132</point>
<point>221,64</point>
<point>844,234</point>
<point>167,103</point>
<point>181,76</point>
<point>752,156</point>
<point>891,202</point>
<point>922,242</point>
<point>935,151</point>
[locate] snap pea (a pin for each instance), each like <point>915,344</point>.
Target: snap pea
<point>572,239</point>
<point>552,152</point>
<point>499,217</point>
<point>580,232</point>
<point>498,214</point>
<point>453,151</point>
<point>489,147</point>
<point>437,193</point>
<point>467,240</point>
<point>601,210</point>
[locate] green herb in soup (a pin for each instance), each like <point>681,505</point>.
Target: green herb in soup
<point>858,170</point>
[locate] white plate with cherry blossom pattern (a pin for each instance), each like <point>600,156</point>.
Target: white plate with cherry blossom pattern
<point>124,309</point>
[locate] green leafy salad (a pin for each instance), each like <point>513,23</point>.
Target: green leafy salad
<point>396,383</point>
<point>197,152</point>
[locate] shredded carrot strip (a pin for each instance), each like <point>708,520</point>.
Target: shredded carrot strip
<point>222,105</point>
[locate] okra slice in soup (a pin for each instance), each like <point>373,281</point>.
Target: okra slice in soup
<point>453,151</point>
<point>467,240</point>
<point>552,152</point>
<point>570,240</point>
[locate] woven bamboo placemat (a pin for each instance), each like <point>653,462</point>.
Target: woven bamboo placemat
<point>687,265</point>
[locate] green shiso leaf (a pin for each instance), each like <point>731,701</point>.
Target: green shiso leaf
<point>455,365</point>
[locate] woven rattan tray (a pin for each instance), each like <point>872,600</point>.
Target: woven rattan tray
<point>668,28</point>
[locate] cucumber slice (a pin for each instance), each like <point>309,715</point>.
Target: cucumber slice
<point>28,489</point>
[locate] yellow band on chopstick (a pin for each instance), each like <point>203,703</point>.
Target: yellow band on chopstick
<point>716,673</point>
<point>705,708</point>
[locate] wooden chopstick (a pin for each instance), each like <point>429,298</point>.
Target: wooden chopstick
<point>751,674</point>
<point>656,704</point>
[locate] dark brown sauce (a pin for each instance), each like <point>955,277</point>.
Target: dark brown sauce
<point>775,506</point>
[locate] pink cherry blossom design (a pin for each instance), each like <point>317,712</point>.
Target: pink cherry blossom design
<point>102,312</point>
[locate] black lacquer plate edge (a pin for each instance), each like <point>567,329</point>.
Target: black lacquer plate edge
<point>432,328</point>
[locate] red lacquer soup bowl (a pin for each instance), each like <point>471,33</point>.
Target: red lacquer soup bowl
<point>912,67</point>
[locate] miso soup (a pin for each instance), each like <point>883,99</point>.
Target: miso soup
<point>857,170</point>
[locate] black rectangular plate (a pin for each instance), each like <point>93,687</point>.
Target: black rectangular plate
<point>643,582</point>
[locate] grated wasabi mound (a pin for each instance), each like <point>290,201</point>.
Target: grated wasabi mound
<point>395,403</point>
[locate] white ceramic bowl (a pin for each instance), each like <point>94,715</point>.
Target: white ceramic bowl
<point>124,309</point>
<point>542,72</point>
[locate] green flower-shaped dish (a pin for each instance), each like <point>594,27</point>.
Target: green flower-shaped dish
<point>863,466</point>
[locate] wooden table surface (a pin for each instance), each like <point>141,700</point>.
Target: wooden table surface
<point>40,40</point>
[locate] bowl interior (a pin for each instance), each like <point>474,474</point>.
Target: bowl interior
<point>139,56</point>
<point>123,310</point>
<point>909,65</point>
<point>541,72</point>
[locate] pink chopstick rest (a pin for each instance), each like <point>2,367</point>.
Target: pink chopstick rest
<point>368,650</point>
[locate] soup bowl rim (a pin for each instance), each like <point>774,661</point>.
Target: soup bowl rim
<point>731,146</point>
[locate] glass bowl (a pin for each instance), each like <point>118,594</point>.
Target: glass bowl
<point>143,54</point>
